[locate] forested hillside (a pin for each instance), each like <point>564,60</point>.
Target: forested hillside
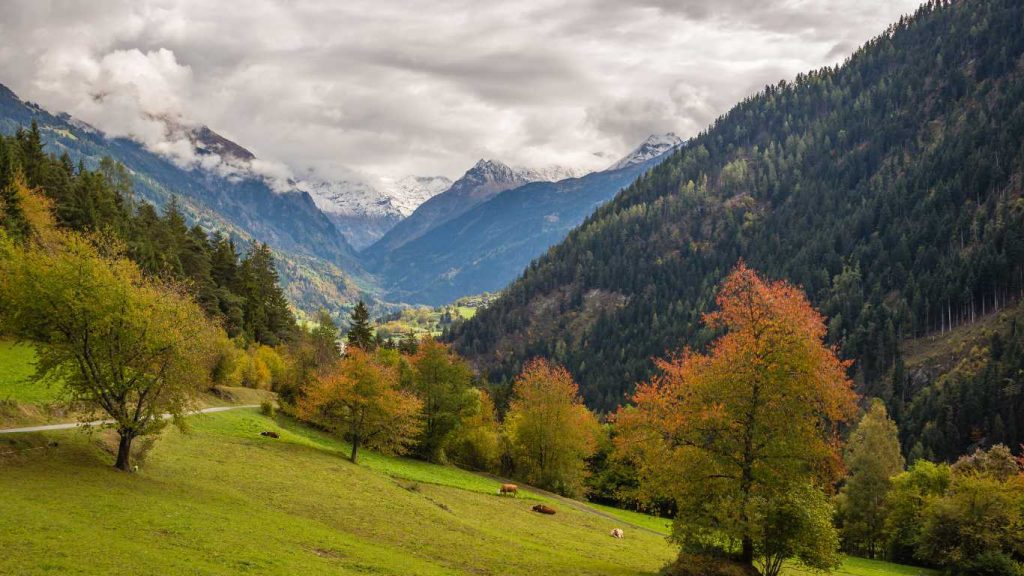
<point>889,188</point>
<point>318,266</point>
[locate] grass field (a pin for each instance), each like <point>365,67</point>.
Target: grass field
<point>17,364</point>
<point>224,500</point>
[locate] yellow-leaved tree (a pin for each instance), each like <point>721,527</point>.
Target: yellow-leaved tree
<point>550,430</point>
<point>744,437</point>
<point>129,347</point>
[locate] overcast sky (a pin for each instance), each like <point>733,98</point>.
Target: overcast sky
<point>387,88</point>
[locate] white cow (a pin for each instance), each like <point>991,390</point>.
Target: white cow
<point>617,533</point>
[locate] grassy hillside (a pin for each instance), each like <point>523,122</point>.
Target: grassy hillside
<point>18,362</point>
<point>224,500</point>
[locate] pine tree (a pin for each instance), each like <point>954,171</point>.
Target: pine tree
<point>360,334</point>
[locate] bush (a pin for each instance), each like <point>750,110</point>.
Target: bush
<point>700,565</point>
<point>991,563</point>
<point>267,408</point>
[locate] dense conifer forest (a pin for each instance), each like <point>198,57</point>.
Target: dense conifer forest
<point>889,188</point>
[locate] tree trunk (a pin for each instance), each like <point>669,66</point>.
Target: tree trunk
<point>124,451</point>
<point>355,451</point>
<point>747,554</point>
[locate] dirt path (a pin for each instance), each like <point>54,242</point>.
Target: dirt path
<point>70,425</point>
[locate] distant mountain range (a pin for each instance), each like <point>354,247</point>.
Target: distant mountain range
<point>319,267</point>
<point>483,232</point>
<point>363,213</point>
<point>422,239</point>
<point>480,183</point>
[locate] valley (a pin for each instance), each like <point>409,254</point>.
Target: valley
<point>577,289</point>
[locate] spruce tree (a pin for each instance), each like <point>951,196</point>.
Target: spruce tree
<point>360,334</point>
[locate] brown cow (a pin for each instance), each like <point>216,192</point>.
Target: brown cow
<point>617,533</point>
<point>543,509</point>
<point>508,489</point>
<point>270,434</point>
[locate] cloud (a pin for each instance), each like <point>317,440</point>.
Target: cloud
<point>384,88</point>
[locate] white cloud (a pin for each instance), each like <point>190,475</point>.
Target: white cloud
<point>385,88</point>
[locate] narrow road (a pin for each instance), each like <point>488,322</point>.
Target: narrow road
<point>70,425</point>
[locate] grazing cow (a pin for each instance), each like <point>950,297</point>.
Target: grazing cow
<point>508,489</point>
<point>270,434</point>
<point>543,509</point>
<point>617,533</point>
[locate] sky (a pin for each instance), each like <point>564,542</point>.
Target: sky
<point>379,89</point>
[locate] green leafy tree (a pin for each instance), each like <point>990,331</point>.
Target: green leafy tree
<point>325,339</point>
<point>476,441</point>
<point>268,318</point>
<point>976,527</point>
<point>872,458</point>
<point>126,346</point>
<point>442,381</point>
<point>360,334</point>
<point>910,492</point>
<point>409,344</point>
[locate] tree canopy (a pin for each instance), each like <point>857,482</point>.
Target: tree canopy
<point>732,434</point>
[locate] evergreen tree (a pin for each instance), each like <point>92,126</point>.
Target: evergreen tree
<point>360,334</point>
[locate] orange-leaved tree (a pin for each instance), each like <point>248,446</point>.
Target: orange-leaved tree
<point>359,398</point>
<point>551,431</point>
<point>743,437</point>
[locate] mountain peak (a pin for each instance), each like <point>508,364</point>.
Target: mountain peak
<point>655,145</point>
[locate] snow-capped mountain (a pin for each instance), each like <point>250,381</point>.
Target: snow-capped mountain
<point>486,179</point>
<point>348,198</point>
<point>408,193</point>
<point>361,212</point>
<point>655,145</point>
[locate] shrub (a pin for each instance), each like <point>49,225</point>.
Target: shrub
<point>267,408</point>
<point>701,565</point>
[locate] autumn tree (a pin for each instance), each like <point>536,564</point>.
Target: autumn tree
<point>872,457</point>
<point>360,399</point>
<point>360,334</point>
<point>551,432</point>
<point>130,348</point>
<point>441,380</point>
<point>732,433</point>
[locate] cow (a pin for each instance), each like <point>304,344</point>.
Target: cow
<point>509,490</point>
<point>270,434</point>
<point>543,509</point>
<point>617,533</point>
